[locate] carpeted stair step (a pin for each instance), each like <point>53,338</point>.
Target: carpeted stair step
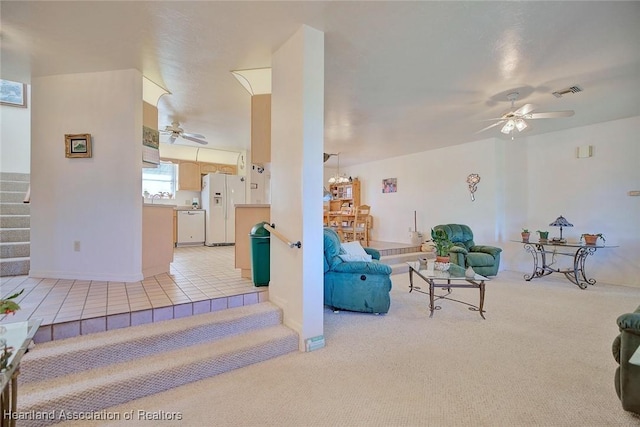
<point>14,221</point>
<point>15,235</point>
<point>11,185</point>
<point>14,176</point>
<point>63,357</point>
<point>18,266</point>
<point>15,249</point>
<point>12,196</point>
<point>115,384</point>
<point>15,208</point>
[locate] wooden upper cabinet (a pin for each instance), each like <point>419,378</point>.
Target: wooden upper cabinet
<point>206,168</point>
<point>189,176</point>
<point>261,129</point>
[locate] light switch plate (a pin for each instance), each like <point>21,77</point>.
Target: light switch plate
<point>584,151</point>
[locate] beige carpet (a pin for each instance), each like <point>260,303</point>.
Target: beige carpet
<point>542,358</point>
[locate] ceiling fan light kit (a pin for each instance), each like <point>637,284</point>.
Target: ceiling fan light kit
<point>175,132</point>
<point>517,119</point>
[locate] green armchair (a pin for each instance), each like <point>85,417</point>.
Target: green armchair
<point>627,376</point>
<point>354,285</point>
<point>484,260</point>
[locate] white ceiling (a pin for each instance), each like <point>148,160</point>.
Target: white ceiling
<point>400,77</point>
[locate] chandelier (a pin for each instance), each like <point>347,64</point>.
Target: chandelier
<point>337,178</point>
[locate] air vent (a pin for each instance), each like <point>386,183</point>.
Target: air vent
<point>572,89</point>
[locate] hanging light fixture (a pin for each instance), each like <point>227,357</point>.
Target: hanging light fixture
<point>337,178</point>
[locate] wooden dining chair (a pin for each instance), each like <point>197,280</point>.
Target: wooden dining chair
<point>359,228</point>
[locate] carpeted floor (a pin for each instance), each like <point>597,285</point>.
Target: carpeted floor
<point>541,358</point>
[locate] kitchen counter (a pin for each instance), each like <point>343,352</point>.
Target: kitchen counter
<point>151,205</point>
<point>186,208</point>
<point>157,239</point>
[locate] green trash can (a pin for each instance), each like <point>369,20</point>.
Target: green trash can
<point>260,242</point>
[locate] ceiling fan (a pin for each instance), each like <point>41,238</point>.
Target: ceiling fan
<point>516,119</point>
<point>175,131</point>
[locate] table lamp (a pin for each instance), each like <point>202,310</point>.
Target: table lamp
<point>560,222</point>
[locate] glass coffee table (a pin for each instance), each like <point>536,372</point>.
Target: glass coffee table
<point>454,278</point>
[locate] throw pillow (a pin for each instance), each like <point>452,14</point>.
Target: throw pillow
<point>353,251</point>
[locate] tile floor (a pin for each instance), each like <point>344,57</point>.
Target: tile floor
<point>202,279</point>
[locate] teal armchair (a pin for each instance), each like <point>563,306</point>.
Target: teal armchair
<point>627,376</point>
<point>354,285</point>
<point>485,260</point>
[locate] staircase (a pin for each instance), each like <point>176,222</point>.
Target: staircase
<point>14,225</point>
<point>93,372</point>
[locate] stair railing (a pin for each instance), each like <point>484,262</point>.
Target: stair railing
<point>271,229</point>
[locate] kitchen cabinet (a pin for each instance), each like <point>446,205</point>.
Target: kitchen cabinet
<point>189,176</point>
<point>261,129</point>
<point>344,194</point>
<point>206,168</point>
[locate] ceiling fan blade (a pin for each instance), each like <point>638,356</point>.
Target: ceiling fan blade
<point>525,109</point>
<point>490,126</point>
<point>172,139</point>
<point>193,135</point>
<point>550,114</point>
<point>199,141</point>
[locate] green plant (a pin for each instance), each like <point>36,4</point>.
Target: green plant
<point>442,242</point>
<point>600,235</point>
<point>7,306</point>
<point>525,230</point>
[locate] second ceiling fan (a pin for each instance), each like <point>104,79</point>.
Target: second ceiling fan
<point>175,131</point>
<point>516,119</point>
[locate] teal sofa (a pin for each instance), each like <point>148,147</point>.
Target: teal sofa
<point>627,376</point>
<point>485,260</point>
<point>354,285</point>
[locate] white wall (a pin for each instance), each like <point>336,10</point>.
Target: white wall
<point>527,182</point>
<point>15,137</point>
<point>432,183</point>
<point>590,192</point>
<point>97,200</point>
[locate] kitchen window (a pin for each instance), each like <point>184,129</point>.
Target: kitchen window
<point>160,181</point>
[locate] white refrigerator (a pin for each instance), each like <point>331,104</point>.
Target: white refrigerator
<point>220,194</point>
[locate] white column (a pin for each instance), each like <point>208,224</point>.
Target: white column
<point>297,117</point>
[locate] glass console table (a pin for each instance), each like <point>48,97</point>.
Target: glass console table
<point>16,336</point>
<point>577,275</point>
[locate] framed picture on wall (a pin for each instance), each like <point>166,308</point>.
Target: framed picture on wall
<point>390,185</point>
<point>13,93</point>
<point>77,145</point>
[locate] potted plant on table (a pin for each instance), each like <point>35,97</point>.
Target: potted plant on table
<point>525,235</point>
<point>591,239</point>
<point>443,245</point>
<point>544,235</point>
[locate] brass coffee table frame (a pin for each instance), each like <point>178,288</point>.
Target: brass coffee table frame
<point>454,279</point>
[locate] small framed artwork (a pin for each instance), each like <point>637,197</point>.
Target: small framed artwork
<point>390,185</point>
<point>77,145</point>
<point>13,93</point>
<point>150,137</point>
